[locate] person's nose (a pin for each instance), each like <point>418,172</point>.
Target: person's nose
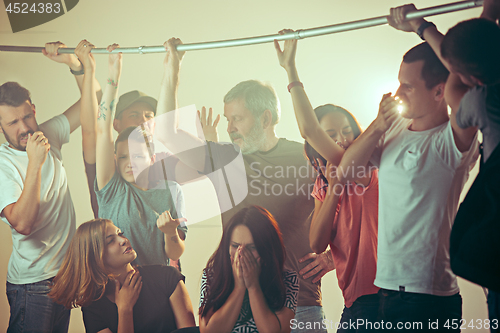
<point>230,127</point>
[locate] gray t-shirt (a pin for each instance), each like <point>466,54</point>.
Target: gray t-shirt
<point>281,181</point>
<point>480,107</point>
<point>135,212</point>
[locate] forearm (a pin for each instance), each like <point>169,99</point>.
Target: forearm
<point>491,10</point>
<point>174,246</point>
<point>359,153</point>
<point>304,113</point>
<point>125,321</point>
<point>105,165</point>
<point>88,115</point>
<point>23,214</point>
<point>167,100</point>
<point>322,222</point>
<point>176,140</point>
<point>265,319</point>
<point>309,125</point>
<point>224,319</point>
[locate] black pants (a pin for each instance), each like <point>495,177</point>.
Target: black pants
<point>413,312</point>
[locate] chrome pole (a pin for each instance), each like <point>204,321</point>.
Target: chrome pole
<point>331,29</point>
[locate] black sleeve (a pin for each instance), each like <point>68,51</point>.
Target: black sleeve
<point>165,277</point>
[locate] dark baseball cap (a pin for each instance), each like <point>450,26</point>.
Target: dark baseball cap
<point>130,98</point>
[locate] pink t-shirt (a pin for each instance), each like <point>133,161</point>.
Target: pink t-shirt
<point>354,237</point>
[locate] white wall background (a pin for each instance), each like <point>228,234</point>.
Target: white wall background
<point>351,69</point>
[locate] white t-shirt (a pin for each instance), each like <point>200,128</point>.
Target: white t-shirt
<point>39,255</point>
<point>421,175</point>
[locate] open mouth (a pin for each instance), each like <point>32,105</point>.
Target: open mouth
<point>128,249</point>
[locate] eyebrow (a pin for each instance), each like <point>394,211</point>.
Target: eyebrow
<point>240,244</point>
<point>117,232</point>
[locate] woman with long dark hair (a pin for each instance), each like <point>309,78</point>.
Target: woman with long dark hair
<point>345,215</point>
<point>244,287</point>
<point>97,275</point>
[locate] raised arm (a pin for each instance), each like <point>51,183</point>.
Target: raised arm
<point>174,243</point>
<point>22,215</point>
<point>174,139</point>
<point>76,68</point>
<point>360,151</point>
<point>455,88</point>
<point>309,126</point>
<point>491,10</point>
<point>105,160</point>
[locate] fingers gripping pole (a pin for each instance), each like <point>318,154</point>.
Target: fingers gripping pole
<point>331,29</point>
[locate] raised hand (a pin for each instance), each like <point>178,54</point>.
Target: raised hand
<point>173,57</point>
<point>321,264</point>
<point>82,51</point>
<point>397,18</point>
<point>250,268</point>
<point>127,294</point>
<point>167,224</point>
<point>37,148</point>
<point>209,128</point>
<point>286,57</point>
<point>114,62</point>
<point>69,59</point>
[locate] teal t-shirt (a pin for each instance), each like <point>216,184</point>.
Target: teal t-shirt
<point>135,212</point>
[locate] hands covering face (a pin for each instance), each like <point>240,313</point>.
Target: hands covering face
<point>246,268</point>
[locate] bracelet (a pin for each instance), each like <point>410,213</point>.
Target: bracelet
<point>80,72</point>
<point>423,26</point>
<point>294,84</point>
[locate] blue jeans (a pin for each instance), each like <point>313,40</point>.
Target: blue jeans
<point>31,310</point>
<point>362,313</point>
<point>414,312</point>
<point>308,319</point>
<point>494,310</point>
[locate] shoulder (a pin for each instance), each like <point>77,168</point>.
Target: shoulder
<point>161,272</point>
<point>289,144</point>
<point>59,122</point>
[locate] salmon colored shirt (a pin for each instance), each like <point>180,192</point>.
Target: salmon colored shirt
<point>354,237</point>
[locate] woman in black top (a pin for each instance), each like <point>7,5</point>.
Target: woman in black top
<point>115,296</point>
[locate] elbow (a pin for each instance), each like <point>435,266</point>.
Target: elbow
<point>316,248</point>
<point>24,230</point>
<point>316,245</point>
<point>307,131</point>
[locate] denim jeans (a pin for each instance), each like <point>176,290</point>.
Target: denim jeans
<point>413,312</point>
<point>31,310</point>
<point>309,319</point>
<point>494,310</point>
<point>362,313</point>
